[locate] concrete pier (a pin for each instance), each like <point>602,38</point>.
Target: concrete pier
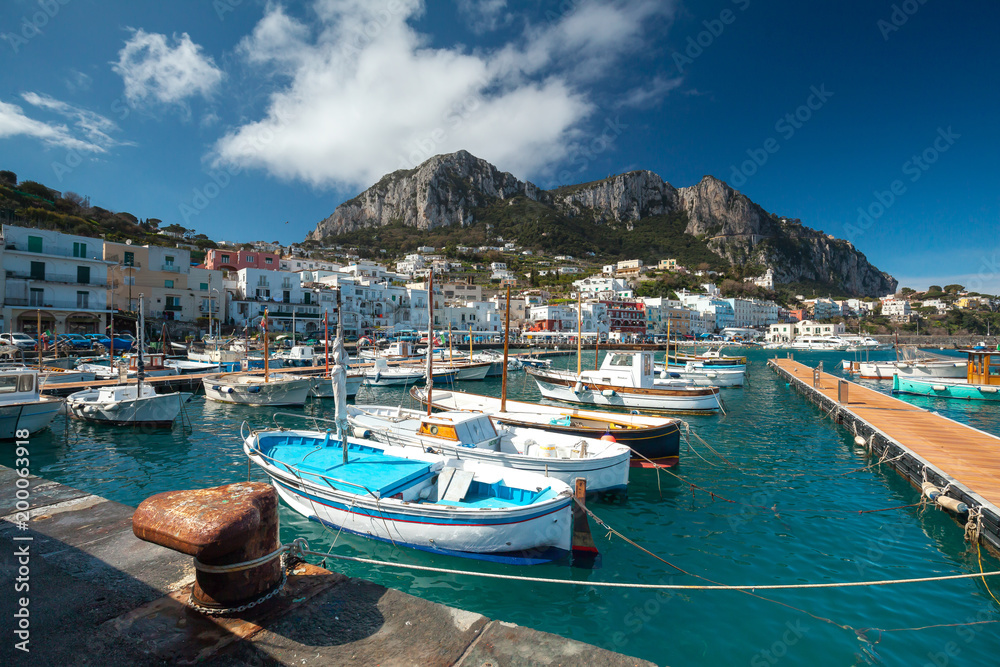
<point>97,595</point>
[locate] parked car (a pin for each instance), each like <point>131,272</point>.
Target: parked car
<point>76,341</point>
<point>121,344</point>
<point>21,340</point>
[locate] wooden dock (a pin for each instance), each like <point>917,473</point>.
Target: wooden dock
<point>951,454</point>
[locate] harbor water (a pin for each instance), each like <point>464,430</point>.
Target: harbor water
<point>791,502</point>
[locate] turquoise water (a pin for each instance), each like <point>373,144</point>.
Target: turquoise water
<point>774,450</point>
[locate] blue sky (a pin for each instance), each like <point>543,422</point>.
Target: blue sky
<point>247,119</point>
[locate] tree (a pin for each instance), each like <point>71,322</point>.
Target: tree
<point>907,291</point>
<point>37,189</point>
<point>8,178</point>
<point>954,289</point>
<point>935,288</point>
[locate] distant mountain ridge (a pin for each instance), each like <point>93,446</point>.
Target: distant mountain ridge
<point>628,213</point>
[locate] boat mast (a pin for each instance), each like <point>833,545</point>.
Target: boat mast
<point>263,325</point>
<point>430,338</point>
<point>326,341</point>
<point>140,372</point>
<point>579,333</point>
<point>470,342</point>
<point>451,355</point>
<point>38,330</point>
<point>506,338</point>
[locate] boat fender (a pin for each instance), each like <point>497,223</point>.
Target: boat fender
<point>988,390</point>
<point>608,393</point>
<point>229,390</point>
<point>607,437</point>
<point>252,390</point>
<point>952,504</point>
<point>216,387</point>
<point>860,442</point>
<point>578,388</point>
<point>928,490</point>
<point>112,406</point>
<point>938,387</point>
<point>675,376</point>
<point>663,375</point>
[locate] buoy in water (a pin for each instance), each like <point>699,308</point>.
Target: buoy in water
<point>860,442</point>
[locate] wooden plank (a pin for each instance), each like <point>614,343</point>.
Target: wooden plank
<point>961,452</point>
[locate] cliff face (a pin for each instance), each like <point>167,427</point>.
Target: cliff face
<point>442,191</point>
<point>451,189</point>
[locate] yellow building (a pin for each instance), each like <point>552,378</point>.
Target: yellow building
<point>171,288</point>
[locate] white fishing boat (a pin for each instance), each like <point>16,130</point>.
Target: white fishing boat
<point>864,344</point>
<point>22,407</point>
<point>126,368</point>
<point>271,389</point>
<point>465,370</point>
<point>413,498</point>
<point>702,376</point>
<point>472,435</point>
<point>188,367</point>
<point>323,385</point>
<point>625,380</point>
<point>653,439</point>
<point>130,404</point>
<point>127,405</point>
<point>381,374</point>
<point>297,356</point>
<point>885,370</point>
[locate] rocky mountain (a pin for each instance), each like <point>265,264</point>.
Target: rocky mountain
<point>635,212</point>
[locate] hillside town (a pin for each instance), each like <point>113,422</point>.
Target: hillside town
<point>67,283</point>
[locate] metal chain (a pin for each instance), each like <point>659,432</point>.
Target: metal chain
<point>227,611</point>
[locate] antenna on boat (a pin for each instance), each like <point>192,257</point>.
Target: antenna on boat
<point>506,338</point>
<point>430,338</point>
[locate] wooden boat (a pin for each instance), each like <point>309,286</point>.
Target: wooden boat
<point>127,405</point>
<point>653,439</point>
<point>625,380</point>
<point>702,376</point>
<point>981,383</point>
<point>272,390</point>
<point>22,407</point>
<point>472,435</point>
<point>417,499</point>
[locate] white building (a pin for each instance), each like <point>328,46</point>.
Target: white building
<point>898,310</point>
<point>604,288</point>
<point>60,277</point>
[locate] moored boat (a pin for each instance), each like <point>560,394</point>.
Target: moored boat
<point>625,380</point>
<point>981,381</point>
<point>127,405</point>
<point>275,389</point>
<point>22,407</point>
<point>417,499</point>
<point>472,435</point>
<point>652,439</point>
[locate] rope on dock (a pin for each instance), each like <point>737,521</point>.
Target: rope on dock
<point>665,587</point>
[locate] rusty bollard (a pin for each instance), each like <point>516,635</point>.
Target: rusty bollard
<point>223,525</point>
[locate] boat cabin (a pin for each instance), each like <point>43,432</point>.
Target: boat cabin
<point>150,362</point>
<point>18,385</point>
<point>466,429</point>
<point>984,367</point>
<point>624,369</point>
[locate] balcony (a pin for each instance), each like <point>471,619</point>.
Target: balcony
<point>57,278</point>
<point>92,306</point>
<point>55,251</point>
<point>172,268</point>
<point>117,259</point>
<point>173,306</point>
<point>204,309</point>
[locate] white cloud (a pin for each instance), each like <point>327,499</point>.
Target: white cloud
<point>647,96</point>
<point>366,94</point>
<point>94,127</point>
<point>78,81</point>
<point>485,15</point>
<point>153,69</point>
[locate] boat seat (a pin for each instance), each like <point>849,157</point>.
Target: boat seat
<point>453,484</point>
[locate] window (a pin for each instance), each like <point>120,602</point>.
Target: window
<point>129,259</point>
<point>25,382</point>
<point>203,287</point>
<point>268,260</point>
<point>173,301</point>
<point>38,270</point>
<point>250,258</point>
<point>79,249</point>
<point>305,298</point>
<point>83,299</point>
<point>168,283</point>
<point>169,260</point>
<point>37,297</point>
<point>8,384</point>
<point>224,259</point>
<point>83,274</point>
<point>34,244</point>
